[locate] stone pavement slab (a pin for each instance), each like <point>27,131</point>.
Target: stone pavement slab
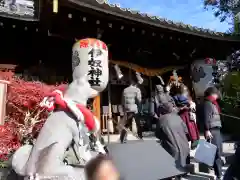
<point>228,151</point>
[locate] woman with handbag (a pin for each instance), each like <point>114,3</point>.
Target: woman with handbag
<point>212,126</point>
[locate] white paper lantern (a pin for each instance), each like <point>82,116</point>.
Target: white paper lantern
<point>90,58</point>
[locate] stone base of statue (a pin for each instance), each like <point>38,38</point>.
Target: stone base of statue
<point>4,173</point>
<point>9,174</point>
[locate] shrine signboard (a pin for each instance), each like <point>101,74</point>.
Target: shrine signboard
<point>20,9</point>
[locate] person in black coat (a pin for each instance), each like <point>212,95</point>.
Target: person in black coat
<point>233,171</point>
<point>171,131</point>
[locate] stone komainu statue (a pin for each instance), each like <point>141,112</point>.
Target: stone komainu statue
<point>61,149</point>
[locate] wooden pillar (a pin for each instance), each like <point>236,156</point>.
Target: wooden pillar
<point>150,84</point>
<point>97,107</point>
<point>3,100</point>
<point>130,74</point>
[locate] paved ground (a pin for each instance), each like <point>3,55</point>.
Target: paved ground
<point>228,150</point>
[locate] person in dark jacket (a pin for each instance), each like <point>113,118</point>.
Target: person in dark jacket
<point>160,97</point>
<point>171,131</point>
<point>212,125</point>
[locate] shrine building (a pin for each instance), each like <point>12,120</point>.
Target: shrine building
<point>37,38</point>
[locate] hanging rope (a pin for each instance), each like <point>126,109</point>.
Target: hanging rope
<point>234,117</point>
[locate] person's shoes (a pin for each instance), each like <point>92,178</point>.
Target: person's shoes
<point>223,160</point>
<point>194,144</point>
<point>218,177</point>
<point>189,168</point>
<point>124,142</point>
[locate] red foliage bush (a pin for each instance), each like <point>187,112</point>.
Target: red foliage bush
<point>21,97</point>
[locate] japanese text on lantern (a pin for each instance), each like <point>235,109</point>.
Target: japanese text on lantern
<point>95,65</point>
<point>83,43</point>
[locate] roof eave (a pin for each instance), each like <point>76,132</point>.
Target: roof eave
<point>108,11</point>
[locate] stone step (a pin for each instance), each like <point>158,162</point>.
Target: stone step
<point>198,176</point>
<point>204,170</point>
<point>200,168</point>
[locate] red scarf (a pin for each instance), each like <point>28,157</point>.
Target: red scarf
<point>61,104</point>
<point>214,101</point>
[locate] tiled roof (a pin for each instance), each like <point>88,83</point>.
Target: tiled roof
<point>134,15</point>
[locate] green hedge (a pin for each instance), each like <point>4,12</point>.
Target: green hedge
<point>231,104</point>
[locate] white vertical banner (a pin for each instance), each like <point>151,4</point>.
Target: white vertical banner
<point>139,78</point>
<point>118,71</point>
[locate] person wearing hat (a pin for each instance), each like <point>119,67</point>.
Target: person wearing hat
<point>212,125</point>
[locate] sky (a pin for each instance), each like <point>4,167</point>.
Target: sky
<point>187,11</point>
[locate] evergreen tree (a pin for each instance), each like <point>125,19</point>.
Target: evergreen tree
<point>226,10</point>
